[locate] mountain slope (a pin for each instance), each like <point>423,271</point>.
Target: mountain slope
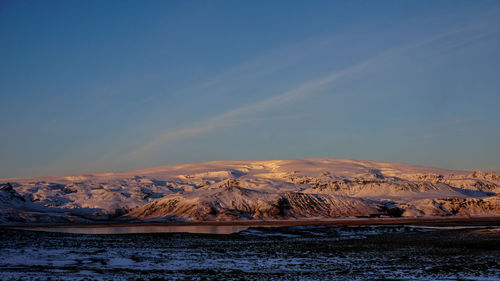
<point>245,190</point>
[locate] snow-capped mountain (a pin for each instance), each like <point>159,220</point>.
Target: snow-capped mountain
<point>246,190</point>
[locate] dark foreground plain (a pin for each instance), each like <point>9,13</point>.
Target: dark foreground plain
<point>439,251</point>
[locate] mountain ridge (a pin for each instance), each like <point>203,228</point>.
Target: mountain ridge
<point>223,162</point>
<point>250,190</point>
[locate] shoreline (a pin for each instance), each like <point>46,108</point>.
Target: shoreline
<point>277,223</point>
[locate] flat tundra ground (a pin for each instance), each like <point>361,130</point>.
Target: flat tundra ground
<point>278,253</point>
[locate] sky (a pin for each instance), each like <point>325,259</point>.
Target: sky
<point>88,86</point>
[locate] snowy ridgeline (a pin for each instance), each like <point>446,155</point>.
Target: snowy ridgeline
<point>246,190</point>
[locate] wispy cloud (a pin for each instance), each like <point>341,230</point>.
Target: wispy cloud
<point>232,117</point>
<point>302,91</point>
<point>229,80</point>
<point>225,82</point>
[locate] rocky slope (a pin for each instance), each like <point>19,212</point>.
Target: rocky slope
<point>246,190</point>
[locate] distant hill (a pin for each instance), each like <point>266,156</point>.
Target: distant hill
<point>251,190</point>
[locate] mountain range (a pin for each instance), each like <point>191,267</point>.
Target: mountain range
<point>250,190</point>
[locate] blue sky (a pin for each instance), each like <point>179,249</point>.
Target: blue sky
<point>110,85</point>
